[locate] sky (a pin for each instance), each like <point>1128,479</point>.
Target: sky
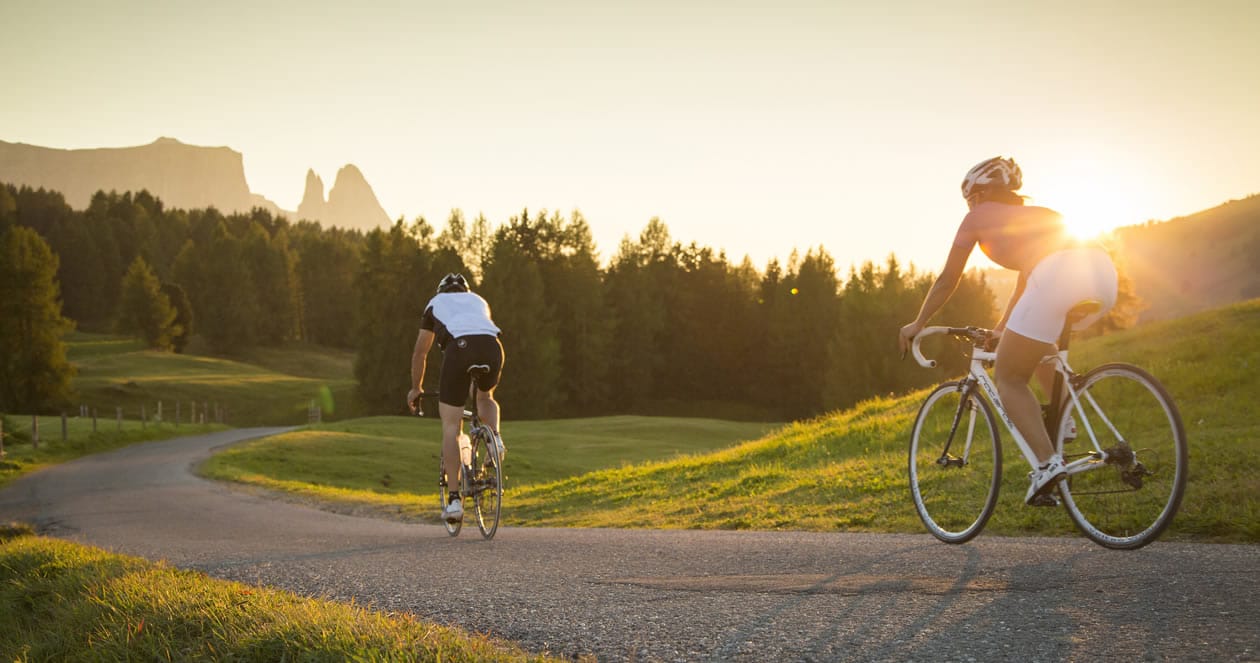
<point>752,127</point>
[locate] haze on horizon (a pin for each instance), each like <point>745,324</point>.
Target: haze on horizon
<point>746,127</point>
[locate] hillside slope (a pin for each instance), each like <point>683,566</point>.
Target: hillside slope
<point>276,388</point>
<point>1196,262</point>
<point>1183,265</point>
<point>846,470</point>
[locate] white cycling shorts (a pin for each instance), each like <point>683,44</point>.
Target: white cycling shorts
<point>1058,283</point>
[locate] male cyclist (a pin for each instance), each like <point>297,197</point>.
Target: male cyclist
<point>460,322</point>
<point>1056,273</point>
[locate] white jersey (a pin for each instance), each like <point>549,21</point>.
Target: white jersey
<point>455,314</point>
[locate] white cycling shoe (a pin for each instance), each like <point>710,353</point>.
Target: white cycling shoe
<point>454,512</point>
<point>1044,478</point>
<point>498,446</point>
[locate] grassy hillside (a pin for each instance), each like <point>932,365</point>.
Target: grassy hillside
<point>276,389</point>
<point>842,471</point>
<point>391,462</point>
<point>1196,262</point>
<point>846,471</point>
<point>70,602</point>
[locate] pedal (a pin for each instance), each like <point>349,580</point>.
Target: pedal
<point>1044,499</point>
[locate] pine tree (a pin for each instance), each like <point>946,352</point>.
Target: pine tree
<point>145,310</point>
<point>34,373</point>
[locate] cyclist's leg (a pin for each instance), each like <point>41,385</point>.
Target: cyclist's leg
<point>1017,358</point>
<point>452,393</point>
<point>452,421</point>
<point>490,353</point>
<point>488,408</point>
<point>1034,324</point>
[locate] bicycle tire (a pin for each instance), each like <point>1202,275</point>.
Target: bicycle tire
<point>443,493</point>
<point>955,500</point>
<point>487,482</point>
<point>1127,502</point>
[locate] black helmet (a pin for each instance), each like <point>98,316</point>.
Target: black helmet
<point>453,283</point>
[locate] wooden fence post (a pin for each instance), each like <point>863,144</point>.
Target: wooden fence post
<point>93,421</point>
<point>63,426</point>
<point>35,431</point>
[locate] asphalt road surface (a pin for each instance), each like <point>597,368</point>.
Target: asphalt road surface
<point>635,595</point>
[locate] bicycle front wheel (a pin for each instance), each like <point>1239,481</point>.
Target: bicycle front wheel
<point>487,482</point>
<point>1127,500</point>
<point>955,463</point>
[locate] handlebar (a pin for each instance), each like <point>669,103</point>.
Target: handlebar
<point>415,402</point>
<point>976,335</point>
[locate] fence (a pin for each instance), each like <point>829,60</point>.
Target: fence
<point>197,413</point>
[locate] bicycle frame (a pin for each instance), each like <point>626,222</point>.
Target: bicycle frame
<point>977,375</point>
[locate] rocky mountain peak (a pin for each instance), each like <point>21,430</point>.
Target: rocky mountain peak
<point>313,205</point>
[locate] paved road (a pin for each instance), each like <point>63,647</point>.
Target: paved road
<point>672,595</point>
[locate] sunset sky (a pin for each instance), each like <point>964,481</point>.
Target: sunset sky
<point>752,127</point>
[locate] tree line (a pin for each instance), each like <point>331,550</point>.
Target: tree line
<point>660,327</point>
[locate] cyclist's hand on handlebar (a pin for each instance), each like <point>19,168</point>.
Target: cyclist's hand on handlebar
<point>907,334</point>
<point>991,343</point>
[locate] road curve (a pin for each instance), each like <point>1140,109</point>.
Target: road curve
<point>671,595</point>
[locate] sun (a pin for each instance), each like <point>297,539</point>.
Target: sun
<point>1094,197</point>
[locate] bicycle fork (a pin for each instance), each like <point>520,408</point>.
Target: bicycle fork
<point>965,403</point>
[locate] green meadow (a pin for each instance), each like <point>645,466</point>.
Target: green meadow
<point>267,387</point>
<point>72,602</point>
<point>392,462</point>
<point>844,471</point>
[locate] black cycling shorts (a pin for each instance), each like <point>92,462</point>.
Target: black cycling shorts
<point>465,351</point>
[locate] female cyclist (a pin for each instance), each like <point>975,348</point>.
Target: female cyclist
<point>1056,273</point>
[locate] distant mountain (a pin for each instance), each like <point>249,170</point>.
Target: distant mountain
<point>351,202</point>
<point>1183,265</point>
<point>184,176</point>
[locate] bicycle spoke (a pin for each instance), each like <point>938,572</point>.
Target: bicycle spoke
<point>1126,500</point>
<point>954,495</point>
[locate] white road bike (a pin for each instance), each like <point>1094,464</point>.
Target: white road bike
<point>1126,465</point>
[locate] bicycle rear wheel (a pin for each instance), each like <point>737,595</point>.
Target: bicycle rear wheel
<point>1126,501</point>
<point>487,482</point>
<point>444,498</point>
<point>955,487</point>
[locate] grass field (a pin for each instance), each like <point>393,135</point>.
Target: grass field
<point>391,462</point>
<point>267,387</point>
<point>843,471</point>
<point>69,602</point>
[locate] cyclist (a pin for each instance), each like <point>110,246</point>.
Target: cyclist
<point>459,320</point>
<point>1056,273</point>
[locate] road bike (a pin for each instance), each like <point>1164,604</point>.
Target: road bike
<point>1117,428</point>
<point>481,478</point>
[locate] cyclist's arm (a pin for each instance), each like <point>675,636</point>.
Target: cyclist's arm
<point>1010,304</point>
<point>424,341</point>
<point>945,284</point>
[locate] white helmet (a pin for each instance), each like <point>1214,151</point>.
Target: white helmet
<point>995,173</point>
